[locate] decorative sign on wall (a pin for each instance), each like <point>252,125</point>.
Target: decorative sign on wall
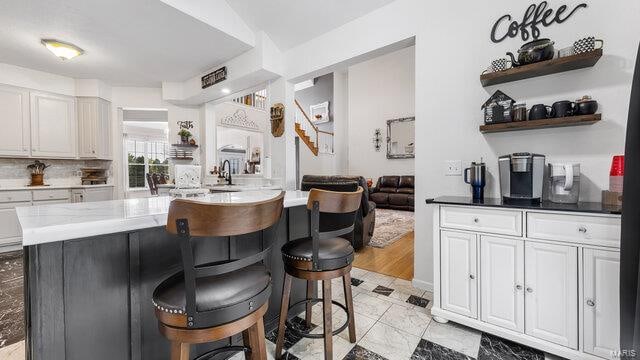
<point>214,77</point>
<point>534,17</point>
<point>277,120</point>
<point>185,124</point>
<point>239,119</point>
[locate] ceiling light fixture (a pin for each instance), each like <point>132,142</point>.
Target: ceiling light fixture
<point>226,91</point>
<point>63,50</point>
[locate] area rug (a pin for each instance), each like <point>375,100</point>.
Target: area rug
<point>391,225</point>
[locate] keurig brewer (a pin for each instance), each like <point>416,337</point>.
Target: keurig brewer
<point>521,177</point>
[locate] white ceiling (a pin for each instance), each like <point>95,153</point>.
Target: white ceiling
<point>292,22</point>
<point>126,42</point>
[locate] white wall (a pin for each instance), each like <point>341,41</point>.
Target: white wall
<point>380,89</point>
<point>452,48</point>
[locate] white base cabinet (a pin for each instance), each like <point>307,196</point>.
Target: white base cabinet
<point>552,287</point>
<point>459,285</point>
<point>601,301</point>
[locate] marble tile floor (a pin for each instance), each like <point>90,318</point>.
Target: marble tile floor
<point>393,321</point>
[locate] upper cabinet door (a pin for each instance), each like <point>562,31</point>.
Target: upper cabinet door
<point>87,129</point>
<point>104,125</point>
<point>459,273</point>
<point>601,303</point>
<point>551,293</point>
<point>53,126</point>
<point>14,137</point>
<point>502,282</point>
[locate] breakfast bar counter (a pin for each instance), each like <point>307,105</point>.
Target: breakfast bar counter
<point>91,268</point>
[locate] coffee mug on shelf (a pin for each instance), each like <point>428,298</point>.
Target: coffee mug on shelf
<point>562,108</point>
<point>501,64</point>
<point>539,112</point>
<point>587,44</point>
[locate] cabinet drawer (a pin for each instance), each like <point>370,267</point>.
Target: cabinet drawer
<point>51,195</point>
<point>15,196</point>
<point>584,229</point>
<point>505,222</point>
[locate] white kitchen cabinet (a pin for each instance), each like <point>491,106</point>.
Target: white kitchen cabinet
<point>601,302</point>
<point>53,126</point>
<point>10,231</point>
<point>14,121</point>
<point>94,128</point>
<point>502,282</point>
<point>551,293</point>
<point>90,195</point>
<point>459,273</point>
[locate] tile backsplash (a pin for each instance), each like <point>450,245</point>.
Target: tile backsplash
<point>14,172</point>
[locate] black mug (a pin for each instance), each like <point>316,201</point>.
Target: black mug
<point>562,109</point>
<point>539,112</point>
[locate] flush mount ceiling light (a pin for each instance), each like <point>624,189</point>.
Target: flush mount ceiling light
<point>63,50</point>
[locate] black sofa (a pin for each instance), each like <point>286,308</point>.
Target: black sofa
<point>394,192</point>
<point>366,216</point>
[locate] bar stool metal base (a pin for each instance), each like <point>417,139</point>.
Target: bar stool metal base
<point>307,334</point>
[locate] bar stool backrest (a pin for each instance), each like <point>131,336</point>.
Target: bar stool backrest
<point>331,202</point>
<point>188,218</point>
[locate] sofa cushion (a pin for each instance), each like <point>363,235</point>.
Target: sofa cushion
<point>388,182</point>
<point>406,191</point>
<point>398,199</point>
<point>407,181</point>
<point>380,197</point>
<point>410,200</point>
<point>390,190</point>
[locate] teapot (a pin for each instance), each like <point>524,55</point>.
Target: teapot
<point>533,52</point>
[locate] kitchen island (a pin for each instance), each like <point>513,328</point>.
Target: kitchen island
<point>91,268</point>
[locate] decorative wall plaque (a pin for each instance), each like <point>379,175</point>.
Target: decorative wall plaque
<point>277,120</point>
<point>240,119</point>
<point>214,77</point>
<point>534,16</point>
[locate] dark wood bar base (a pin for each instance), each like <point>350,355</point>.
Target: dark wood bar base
<point>91,298</point>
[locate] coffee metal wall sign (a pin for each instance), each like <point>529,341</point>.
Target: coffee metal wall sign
<point>534,16</point>
<point>214,77</point>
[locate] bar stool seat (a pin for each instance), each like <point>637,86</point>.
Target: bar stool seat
<point>214,292</point>
<point>333,253</point>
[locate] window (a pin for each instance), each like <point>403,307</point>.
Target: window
<point>145,156</point>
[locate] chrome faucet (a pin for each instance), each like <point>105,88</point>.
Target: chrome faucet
<point>228,167</point>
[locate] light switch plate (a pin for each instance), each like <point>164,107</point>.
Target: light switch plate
<point>453,168</point>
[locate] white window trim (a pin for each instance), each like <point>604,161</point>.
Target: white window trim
<point>125,152</point>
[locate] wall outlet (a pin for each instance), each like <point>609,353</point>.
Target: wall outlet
<point>453,168</point>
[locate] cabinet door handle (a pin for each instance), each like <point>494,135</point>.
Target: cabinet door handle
<point>471,276</point>
<point>591,303</point>
<point>582,229</point>
<point>529,290</point>
<point>518,287</point>
<point>476,220</point>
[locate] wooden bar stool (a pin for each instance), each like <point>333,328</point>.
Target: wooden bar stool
<point>323,256</point>
<point>214,301</point>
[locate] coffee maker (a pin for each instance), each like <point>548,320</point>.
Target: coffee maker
<point>521,177</point>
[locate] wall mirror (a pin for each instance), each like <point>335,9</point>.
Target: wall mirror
<point>401,138</point>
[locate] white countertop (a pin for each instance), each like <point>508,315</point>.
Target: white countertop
<point>52,187</point>
<point>59,222</point>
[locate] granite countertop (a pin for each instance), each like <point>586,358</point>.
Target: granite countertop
<point>60,222</point>
<point>584,207</point>
<point>52,187</point>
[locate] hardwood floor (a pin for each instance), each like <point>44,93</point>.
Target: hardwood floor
<point>394,260</point>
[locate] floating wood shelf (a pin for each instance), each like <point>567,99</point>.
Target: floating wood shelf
<point>181,158</point>
<point>185,145</point>
<point>548,67</point>
<point>542,124</point>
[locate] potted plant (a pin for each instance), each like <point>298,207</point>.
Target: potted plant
<point>184,135</point>
<point>37,173</point>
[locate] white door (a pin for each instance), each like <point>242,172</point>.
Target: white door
<point>459,273</point>
<point>551,293</point>
<point>502,282</point>
<point>14,122</point>
<point>104,126</point>
<point>53,126</point>
<point>87,129</point>
<point>601,303</point>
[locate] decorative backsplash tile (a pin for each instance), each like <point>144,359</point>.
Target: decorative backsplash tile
<point>13,172</point>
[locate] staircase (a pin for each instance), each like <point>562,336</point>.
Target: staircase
<point>318,141</point>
